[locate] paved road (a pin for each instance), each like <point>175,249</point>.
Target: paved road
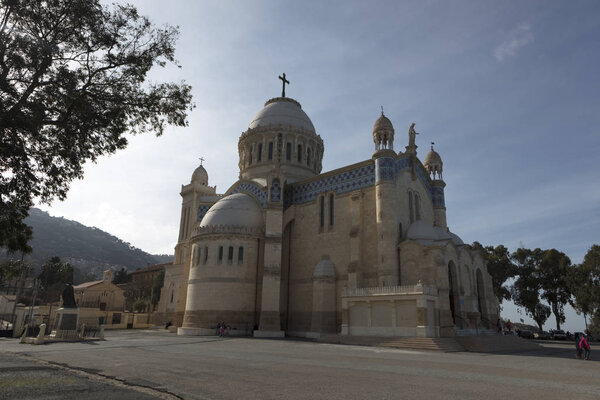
<point>234,368</point>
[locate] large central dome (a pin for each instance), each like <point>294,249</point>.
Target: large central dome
<point>282,111</point>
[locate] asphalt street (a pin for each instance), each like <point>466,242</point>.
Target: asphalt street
<point>234,368</point>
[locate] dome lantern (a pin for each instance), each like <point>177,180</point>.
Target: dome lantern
<point>200,175</point>
<point>383,133</point>
<point>433,164</point>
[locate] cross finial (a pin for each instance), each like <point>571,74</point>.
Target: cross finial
<point>201,160</point>
<point>381,110</point>
<point>284,81</point>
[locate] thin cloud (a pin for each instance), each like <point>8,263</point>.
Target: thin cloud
<point>517,38</point>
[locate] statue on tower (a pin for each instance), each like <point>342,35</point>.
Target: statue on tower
<point>412,135</point>
<point>411,149</point>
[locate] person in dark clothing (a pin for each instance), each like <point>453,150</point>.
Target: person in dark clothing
<point>585,346</point>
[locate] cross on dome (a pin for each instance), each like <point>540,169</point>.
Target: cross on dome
<point>201,160</point>
<point>284,81</point>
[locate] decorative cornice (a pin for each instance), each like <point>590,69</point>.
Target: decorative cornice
<point>227,229</point>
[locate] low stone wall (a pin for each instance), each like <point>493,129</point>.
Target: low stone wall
<point>496,344</point>
<point>394,311</point>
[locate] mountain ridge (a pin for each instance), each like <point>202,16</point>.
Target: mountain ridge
<point>89,249</point>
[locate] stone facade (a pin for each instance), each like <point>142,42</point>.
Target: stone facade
<point>361,250</point>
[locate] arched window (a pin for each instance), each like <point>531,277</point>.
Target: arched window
<point>172,295</point>
<point>288,151</point>
<point>260,152</point>
<point>270,150</point>
<point>308,156</point>
<point>322,211</point>
<point>240,255</point>
<point>230,254</point>
<point>205,255</point>
<point>410,207</point>
<point>417,207</point>
<point>220,253</point>
<point>299,153</point>
<point>331,215</point>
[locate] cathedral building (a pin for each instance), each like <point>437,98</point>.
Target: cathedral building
<point>360,250</point>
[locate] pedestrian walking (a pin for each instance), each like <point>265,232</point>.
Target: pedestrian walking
<point>585,346</point>
<point>577,347</point>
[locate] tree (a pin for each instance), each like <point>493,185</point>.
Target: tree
<point>139,305</point>
<point>540,314</point>
<point>525,291</point>
<point>121,276</point>
<point>584,284</point>
<point>9,269</point>
<point>72,84</point>
<point>554,267</point>
<point>158,283</point>
<point>500,266</point>
<point>53,277</point>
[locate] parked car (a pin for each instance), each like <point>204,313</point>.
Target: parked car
<point>542,335</point>
<point>526,334</point>
<point>558,334</point>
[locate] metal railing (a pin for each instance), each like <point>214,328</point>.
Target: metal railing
<point>391,290</point>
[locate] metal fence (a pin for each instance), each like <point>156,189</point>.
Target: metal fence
<point>390,290</point>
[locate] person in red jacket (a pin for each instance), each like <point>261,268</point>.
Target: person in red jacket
<point>585,346</point>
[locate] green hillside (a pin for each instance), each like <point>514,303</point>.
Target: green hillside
<point>89,249</point>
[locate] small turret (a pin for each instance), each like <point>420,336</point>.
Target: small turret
<point>433,164</point>
<point>200,176</point>
<point>383,133</point>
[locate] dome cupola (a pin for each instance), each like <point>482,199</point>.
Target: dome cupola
<point>280,140</point>
<point>433,164</point>
<point>238,210</point>
<point>200,176</point>
<point>383,133</point>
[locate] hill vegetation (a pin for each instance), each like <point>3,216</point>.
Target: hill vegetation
<point>90,250</point>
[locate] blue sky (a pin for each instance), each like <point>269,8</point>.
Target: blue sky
<point>508,91</point>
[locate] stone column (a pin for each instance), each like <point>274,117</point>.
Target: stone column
<point>385,198</point>
<point>439,205</point>
<point>355,245</point>
<point>269,322</point>
<point>323,302</point>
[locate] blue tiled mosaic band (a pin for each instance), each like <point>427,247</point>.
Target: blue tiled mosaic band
<point>275,191</point>
<point>253,189</point>
<point>202,212</point>
<point>384,169</point>
<point>342,182</point>
<point>437,196</point>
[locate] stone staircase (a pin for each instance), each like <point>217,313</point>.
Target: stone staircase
<point>423,343</point>
<point>414,343</point>
<point>475,332</point>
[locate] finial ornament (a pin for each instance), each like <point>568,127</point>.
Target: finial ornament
<point>432,143</point>
<point>284,81</point>
<point>381,110</point>
<point>201,160</point>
